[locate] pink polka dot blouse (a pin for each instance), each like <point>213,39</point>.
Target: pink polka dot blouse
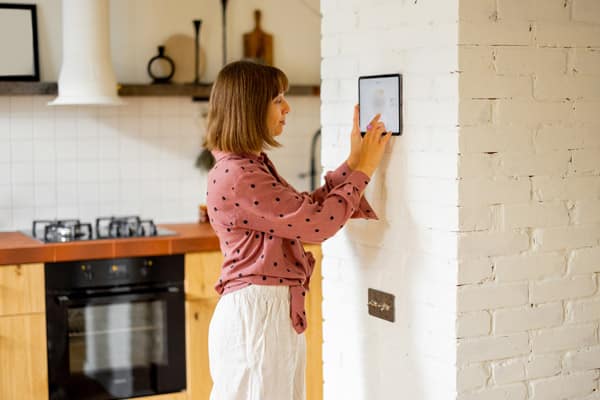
<point>261,222</point>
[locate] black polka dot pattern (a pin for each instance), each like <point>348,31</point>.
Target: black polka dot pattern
<point>262,222</point>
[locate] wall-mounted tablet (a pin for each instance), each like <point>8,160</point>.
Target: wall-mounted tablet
<point>381,94</point>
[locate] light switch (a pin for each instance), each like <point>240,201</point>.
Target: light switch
<point>381,305</point>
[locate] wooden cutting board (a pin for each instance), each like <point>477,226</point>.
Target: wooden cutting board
<point>258,45</point>
<point>180,48</point>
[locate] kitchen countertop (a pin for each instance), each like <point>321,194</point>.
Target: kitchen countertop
<point>18,248</point>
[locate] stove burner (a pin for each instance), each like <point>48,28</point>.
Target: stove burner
<point>131,226</point>
<point>64,230</point>
<point>69,230</point>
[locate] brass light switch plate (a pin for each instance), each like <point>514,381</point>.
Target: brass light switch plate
<point>381,305</point>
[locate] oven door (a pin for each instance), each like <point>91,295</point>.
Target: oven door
<point>116,343</point>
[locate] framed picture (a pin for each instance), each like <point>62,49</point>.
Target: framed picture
<point>18,43</point>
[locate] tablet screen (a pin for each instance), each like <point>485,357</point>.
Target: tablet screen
<point>380,95</point>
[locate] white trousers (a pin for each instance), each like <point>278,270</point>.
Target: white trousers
<point>254,352</point>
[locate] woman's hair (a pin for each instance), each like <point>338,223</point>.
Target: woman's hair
<point>239,100</point>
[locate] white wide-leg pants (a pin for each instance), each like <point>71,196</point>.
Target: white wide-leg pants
<point>254,352</point>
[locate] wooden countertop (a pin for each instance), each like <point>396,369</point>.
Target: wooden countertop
<point>18,248</point>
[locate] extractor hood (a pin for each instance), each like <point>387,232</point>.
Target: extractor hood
<point>86,74</point>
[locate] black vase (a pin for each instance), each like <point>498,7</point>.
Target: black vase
<point>166,78</point>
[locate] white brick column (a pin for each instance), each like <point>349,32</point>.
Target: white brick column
<point>412,250</point>
<point>490,203</point>
<point>529,197</point>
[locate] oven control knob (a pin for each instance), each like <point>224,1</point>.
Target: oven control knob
<point>88,275</point>
<point>144,271</point>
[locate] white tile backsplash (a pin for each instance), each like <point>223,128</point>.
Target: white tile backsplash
<point>86,162</point>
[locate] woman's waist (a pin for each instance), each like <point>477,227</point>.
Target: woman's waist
<point>256,292</point>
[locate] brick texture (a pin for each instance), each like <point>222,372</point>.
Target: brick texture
<point>489,203</point>
<point>529,168</point>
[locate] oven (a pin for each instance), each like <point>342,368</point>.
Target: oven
<point>115,327</point>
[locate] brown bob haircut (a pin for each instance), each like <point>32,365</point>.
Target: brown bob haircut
<point>238,105</point>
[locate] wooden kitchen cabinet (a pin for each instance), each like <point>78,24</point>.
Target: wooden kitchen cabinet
<point>23,365</point>
<point>22,289</point>
<point>201,272</point>
<point>314,331</point>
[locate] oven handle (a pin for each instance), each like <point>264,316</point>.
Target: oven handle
<point>119,293</point>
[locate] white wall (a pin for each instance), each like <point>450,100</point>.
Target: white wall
<point>528,301</point>
<point>65,162</point>
<point>411,252</point>
<point>139,26</point>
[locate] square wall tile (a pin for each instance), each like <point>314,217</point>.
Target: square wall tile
<point>66,194</point>
<point>45,195</point>
<point>44,172</point>
<point>23,195</point>
<point>5,173</point>
<point>21,150</point>
<point>23,218</point>
<point>6,221</point>
<point>43,128</point>
<point>66,172</point>
<point>21,128</point>
<point>44,150</point>
<point>5,196</point>
<point>22,172</point>
<point>4,126</point>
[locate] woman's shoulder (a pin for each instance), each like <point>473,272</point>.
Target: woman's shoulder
<point>231,167</point>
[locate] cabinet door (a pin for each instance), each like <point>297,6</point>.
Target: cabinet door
<point>22,289</point>
<point>198,315</point>
<point>201,273</point>
<point>314,331</point>
<point>23,365</point>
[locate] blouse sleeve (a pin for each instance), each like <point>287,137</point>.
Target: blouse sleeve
<point>266,205</point>
<point>335,178</point>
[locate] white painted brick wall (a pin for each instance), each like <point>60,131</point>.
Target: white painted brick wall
<point>411,251</point>
<point>527,78</point>
<point>529,195</point>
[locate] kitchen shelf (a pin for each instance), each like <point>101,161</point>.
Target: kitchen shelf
<point>197,92</point>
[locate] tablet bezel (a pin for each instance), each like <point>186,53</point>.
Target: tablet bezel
<point>369,77</point>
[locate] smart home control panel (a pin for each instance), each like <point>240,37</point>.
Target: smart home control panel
<point>381,94</point>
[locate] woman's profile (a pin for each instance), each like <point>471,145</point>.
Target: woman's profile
<point>256,335</point>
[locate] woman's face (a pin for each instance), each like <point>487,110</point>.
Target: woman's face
<point>276,113</point>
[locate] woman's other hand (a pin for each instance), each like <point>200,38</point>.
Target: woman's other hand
<point>355,141</point>
<point>372,146</point>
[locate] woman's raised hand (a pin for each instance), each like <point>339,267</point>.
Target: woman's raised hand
<point>372,146</point>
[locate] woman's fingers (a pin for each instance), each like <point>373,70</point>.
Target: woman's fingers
<point>371,124</point>
<point>356,116</point>
<point>385,137</point>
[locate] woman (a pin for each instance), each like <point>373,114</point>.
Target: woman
<point>256,340</point>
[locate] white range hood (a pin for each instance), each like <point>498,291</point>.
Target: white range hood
<point>86,74</point>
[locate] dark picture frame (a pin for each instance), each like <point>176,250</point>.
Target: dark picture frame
<point>19,55</point>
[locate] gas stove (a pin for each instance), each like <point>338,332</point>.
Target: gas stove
<point>73,230</point>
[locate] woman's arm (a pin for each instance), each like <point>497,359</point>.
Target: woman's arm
<point>264,204</point>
